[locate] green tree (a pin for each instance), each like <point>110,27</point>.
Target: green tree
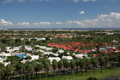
<point>60,65</point>
<point>66,65</point>
<point>81,64</point>
<point>94,63</point>
<point>101,62</point>
<point>29,68</point>
<point>2,68</point>
<point>39,67</point>
<point>9,70</point>
<point>87,64</point>
<point>20,68</point>
<point>1,73</point>
<point>106,60</point>
<point>72,65</point>
<point>46,64</point>
<point>54,65</point>
<point>77,64</point>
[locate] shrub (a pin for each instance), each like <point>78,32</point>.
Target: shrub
<point>92,78</point>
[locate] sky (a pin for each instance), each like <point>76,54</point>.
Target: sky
<point>59,13</point>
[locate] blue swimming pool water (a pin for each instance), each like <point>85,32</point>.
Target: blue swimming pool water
<point>21,55</point>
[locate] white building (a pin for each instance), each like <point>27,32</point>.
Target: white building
<point>67,57</point>
<point>34,57</point>
<point>81,55</point>
<point>52,58</point>
<point>61,51</point>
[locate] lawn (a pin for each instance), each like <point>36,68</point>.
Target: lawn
<point>77,76</point>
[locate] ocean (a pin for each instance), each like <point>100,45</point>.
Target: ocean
<point>63,29</point>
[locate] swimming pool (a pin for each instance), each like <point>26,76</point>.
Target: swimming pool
<point>21,55</point>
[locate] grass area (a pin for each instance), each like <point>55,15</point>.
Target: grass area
<point>77,76</point>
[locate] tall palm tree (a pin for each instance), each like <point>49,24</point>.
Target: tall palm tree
<point>30,69</point>
<point>39,67</point>
<point>77,64</point>
<point>81,64</point>
<point>87,63</point>
<point>46,64</point>
<point>9,70</point>
<point>34,64</point>
<point>1,73</point>
<point>72,65</point>
<point>115,60</point>
<point>66,65</point>
<point>106,60</point>
<point>94,63</point>
<point>2,67</point>
<point>60,64</point>
<point>19,68</point>
<point>54,65</point>
<point>101,62</point>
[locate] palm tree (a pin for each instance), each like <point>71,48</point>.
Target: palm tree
<point>114,60</point>
<point>1,73</point>
<point>46,64</point>
<point>72,65</point>
<point>77,64</point>
<point>101,62</point>
<point>39,67</point>
<point>106,60</point>
<point>94,63</point>
<point>66,65</point>
<point>34,64</point>
<point>54,65</point>
<point>29,68</point>
<point>87,63</point>
<point>20,68</point>
<point>81,64</point>
<point>9,70</point>
<point>2,67</point>
<point>60,64</point>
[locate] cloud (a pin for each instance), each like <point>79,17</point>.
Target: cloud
<point>42,24</point>
<point>23,24</point>
<point>5,23</point>
<point>76,1</point>
<point>45,23</point>
<point>89,0</point>
<point>111,20</point>
<point>7,1</point>
<point>82,12</point>
<point>33,24</point>
<point>58,22</point>
<point>101,21</point>
<point>20,0</point>
<point>31,1</point>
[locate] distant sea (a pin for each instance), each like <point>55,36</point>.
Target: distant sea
<point>63,29</point>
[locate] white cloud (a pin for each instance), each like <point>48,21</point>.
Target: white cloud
<point>58,23</point>
<point>76,1</point>
<point>5,23</point>
<point>111,20</point>
<point>41,24</point>
<point>7,1</point>
<point>23,24</point>
<point>89,0</point>
<point>103,20</point>
<point>69,21</point>
<point>82,12</point>
<point>21,0</point>
<point>45,23</point>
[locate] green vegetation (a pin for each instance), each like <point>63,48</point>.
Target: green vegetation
<point>78,76</point>
<point>72,42</point>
